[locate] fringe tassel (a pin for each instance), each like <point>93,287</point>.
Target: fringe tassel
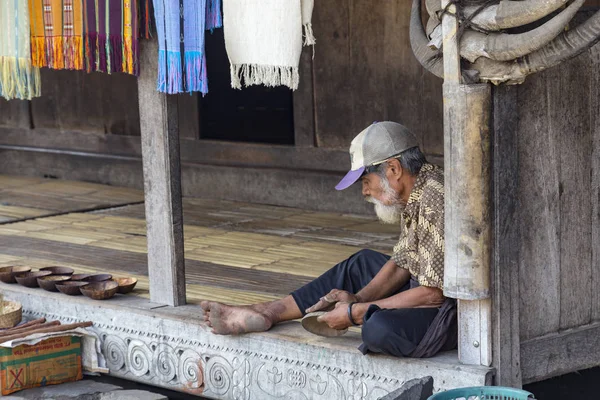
<point>73,52</point>
<point>195,73</point>
<point>58,52</point>
<point>38,53</point>
<point>101,59</point>
<point>55,52</point>
<point>115,52</point>
<point>127,55</point>
<point>169,72</point>
<point>91,52</point>
<point>309,37</point>
<point>268,75</point>
<point>136,57</point>
<point>18,79</point>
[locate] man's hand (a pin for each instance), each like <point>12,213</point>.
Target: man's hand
<point>336,295</point>
<point>337,318</point>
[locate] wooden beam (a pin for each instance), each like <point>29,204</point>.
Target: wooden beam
<point>560,353</point>
<point>205,152</point>
<point>474,332</point>
<point>452,75</point>
<point>162,183</point>
<point>304,110</point>
<point>467,187</point>
<point>506,349</point>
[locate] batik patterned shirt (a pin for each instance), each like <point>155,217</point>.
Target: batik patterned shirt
<point>420,249</point>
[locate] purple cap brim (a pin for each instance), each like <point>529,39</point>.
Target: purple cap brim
<point>350,178</point>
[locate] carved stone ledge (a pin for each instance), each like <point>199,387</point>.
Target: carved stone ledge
<point>178,353</point>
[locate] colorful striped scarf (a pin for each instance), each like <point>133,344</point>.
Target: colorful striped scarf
<point>95,35</point>
<point>56,33</point>
<point>112,36</point>
<point>181,26</point>
<point>18,78</point>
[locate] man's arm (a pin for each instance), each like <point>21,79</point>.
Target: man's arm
<point>388,280</point>
<point>421,296</point>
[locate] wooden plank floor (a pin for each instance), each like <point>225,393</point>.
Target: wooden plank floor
<point>235,252</point>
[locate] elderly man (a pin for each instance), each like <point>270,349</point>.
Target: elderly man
<point>399,300</point>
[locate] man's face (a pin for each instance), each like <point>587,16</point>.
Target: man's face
<point>372,188</point>
<point>377,190</point>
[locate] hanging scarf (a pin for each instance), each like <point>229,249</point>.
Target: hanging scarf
<point>180,27</point>
<point>111,36</point>
<point>18,78</point>
<point>95,35</point>
<point>56,33</point>
<point>263,39</point>
<point>145,15</point>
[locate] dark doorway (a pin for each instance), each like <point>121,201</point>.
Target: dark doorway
<point>255,114</point>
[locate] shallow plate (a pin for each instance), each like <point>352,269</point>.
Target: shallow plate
<point>310,323</point>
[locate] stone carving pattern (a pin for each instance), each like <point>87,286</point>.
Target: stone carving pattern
<point>228,372</point>
<point>160,361</point>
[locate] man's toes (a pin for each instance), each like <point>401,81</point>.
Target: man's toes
<point>205,305</point>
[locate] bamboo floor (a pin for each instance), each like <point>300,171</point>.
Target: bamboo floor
<point>238,253</point>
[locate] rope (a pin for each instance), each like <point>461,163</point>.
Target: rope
<point>465,22</point>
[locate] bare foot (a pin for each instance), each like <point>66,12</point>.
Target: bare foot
<point>228,320</point>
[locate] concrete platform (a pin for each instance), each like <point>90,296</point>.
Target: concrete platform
<point>169,347</point>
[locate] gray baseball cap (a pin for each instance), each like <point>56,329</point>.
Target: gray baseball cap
<point>375,145</point>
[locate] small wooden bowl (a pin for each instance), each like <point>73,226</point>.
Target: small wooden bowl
<point>126,285</point>
<point>7,274</point>
<point>49,282</point>
<point>100,290</point>
<point>79,277</point>
<point>72,288</point>
<point>310,323</point>
<point>29,279</point>
<point>98,278</point>
<point>58,270</point>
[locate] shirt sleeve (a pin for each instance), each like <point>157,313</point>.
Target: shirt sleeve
<point>430,234</point>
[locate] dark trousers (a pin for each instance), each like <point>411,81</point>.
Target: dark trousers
<point>396,332</point>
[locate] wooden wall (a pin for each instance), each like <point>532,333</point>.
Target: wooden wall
<point>363,70</point>
<point>558,190</point>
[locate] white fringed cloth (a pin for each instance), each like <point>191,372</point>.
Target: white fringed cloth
<point>264,40</point>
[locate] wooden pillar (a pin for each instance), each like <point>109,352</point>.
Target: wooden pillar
<point>162,183</point>
<point>467,162</point>
<point>506,349</point>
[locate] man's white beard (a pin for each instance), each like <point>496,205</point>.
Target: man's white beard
<point>388,214</point>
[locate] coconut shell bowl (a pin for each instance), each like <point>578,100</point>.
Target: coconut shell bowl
<point>126,285</point>
<point>49,282</point>
<point>7,274</point>
<point>29,279</point>
<point>58,270</point>
<point>72,288</point>
<point>100,290</point>
<point>311,324</point>
<point>98,278</point>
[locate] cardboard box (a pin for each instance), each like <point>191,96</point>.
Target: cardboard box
<point>49,362</point>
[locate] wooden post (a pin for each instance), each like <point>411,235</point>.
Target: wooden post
<point>467,164</point>
<point>162,183</point>
<point>506,349</point>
